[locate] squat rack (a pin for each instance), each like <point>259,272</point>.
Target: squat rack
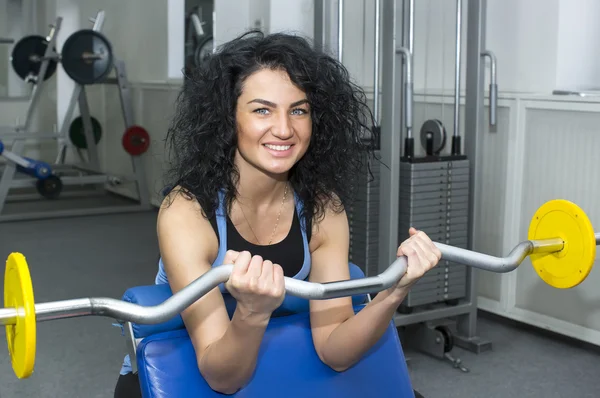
<point>86,172</point>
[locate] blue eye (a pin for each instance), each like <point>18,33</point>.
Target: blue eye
<point>262,111</point>
<point>300,110</point>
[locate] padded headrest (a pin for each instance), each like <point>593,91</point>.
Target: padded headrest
<point>155,294</point>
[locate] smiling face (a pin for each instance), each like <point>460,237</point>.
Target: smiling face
<point>273,123</point>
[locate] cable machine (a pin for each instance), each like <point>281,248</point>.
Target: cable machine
<point>433,191</point>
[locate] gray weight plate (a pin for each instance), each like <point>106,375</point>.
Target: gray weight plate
<point>440,208</point>
<point>447,217</point>
<point>445,187</point>
<point>433,131</point>
<point>421,300</point>
<point>437,294</point>
<point>359,228</point>
<point>433,203</point>
<point>413,196</point>
<point>434,172</point>
<point>407,179</point>
<point>436,165</point>
<point>408,166</point>
<point>432,222</point>
<point>438,285</point>
<point>365,247</point>
<point>426,173</point>
<point>458,163</point>
<point>439,228</point>
<point>364,206</point>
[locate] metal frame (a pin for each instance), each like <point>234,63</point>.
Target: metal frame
<point>132,343</point>
<point>465,311</point>
<point>86,173</point>
<point>475,77</point>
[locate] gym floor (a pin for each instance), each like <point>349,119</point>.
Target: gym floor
<point>104,255</point>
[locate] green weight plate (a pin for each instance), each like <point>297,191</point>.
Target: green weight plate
<point>77,132</point>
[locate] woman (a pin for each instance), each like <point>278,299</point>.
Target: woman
<point>267,141</point>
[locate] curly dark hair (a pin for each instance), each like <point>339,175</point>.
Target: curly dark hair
<point>203,135</point>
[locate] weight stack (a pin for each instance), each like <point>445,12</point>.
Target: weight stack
<point>434,197</point>
<point>363,218</point>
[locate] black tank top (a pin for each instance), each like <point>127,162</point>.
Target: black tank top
<point>289,253</point>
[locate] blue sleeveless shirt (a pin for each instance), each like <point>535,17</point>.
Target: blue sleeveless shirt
<point>290,304</point>
<point>221,218</point>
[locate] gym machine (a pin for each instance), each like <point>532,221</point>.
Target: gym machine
<point>433,191</point>
<point>87,58</point>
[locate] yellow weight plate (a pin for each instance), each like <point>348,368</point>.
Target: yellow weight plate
<point>18,293</point>
<point>570,266</point>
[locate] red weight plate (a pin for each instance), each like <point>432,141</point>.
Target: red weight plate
<point>136,140</point>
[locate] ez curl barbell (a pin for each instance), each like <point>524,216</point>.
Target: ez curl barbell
<point>561,245</point>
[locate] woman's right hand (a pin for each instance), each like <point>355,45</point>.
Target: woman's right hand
<point>257,285</point>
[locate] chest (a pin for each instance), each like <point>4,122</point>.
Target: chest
<point>286,249</point>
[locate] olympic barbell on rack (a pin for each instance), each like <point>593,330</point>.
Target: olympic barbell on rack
<point>561,245</point>
<point>86,57</point>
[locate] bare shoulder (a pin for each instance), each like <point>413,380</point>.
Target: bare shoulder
<point>181,223</point>
<point>188,246</point>
<point>333,224</point>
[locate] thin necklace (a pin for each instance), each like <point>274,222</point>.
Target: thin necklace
<point>276,223</point>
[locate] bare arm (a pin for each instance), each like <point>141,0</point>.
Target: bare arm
<point>226,350</point>
<point>342,338</point>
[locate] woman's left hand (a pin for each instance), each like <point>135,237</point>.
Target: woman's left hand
<point>422,256</point>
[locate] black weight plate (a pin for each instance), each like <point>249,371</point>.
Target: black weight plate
<point>50,187</point>
<point>203,52</point>
<point>448,338</point>
<point>78,57</point>
<point>23,57</point>
<point>436,130</point>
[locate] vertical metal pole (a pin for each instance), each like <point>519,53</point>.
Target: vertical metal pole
<point>457,64</point>
<point>376,64</point>
<point>391,132</point>
<point>340,30</point>
<point>129,119</point>
<point>319,36</point>
<point>411,45</point>
<point>325,29</point>
<point>408,19</point>
<point>475,78</point>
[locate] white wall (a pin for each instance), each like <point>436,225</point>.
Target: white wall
<point>232,17</point>
<point>296,16</point>
<point>536,53</point>
<point>577,52</point>
<point>138,31</point>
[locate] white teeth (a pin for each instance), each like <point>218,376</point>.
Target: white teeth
<point>278,147</point>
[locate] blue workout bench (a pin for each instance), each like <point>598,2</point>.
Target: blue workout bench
<point>287,364</point>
